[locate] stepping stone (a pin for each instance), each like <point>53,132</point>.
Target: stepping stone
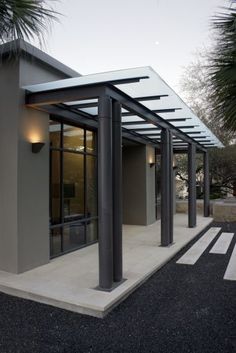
<point>222,244</point>
<point>198,248</point>
<point>230,273</point>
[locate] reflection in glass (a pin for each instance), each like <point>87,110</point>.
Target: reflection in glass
<point>70,193</point>
<point>73,236</point>
<point>73,180</point>
<point>90,142</point>
<point>91,185</point>
<point>55,134</point>
<point>55,239</point>
<point>55,188</point>
<point>92,233</point>
<point>73,138</point>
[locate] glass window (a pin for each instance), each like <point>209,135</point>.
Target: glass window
<point>73,185</point>
<point>55,241</point>
<point>55,134</point>
<point>73,236</point>
<point>91,231</point>
<point>91,185</point>
<point>73,138</point>
<point>55,187</point>
<point>90,142</point>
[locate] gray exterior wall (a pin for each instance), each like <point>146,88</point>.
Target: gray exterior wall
<point>24,176</point>
<point>138,185</point>
<point>9,109</point>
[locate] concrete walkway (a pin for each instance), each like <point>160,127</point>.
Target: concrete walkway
<point>69,282</point>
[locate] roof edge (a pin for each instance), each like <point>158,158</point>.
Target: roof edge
<point>20,45</point>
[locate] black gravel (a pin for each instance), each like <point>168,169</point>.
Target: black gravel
<point>179,309</point>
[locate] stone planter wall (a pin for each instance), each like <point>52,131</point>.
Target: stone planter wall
<point>224,212</point>
<point>220,210</point>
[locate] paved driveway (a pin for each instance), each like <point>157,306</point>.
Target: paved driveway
<point>182,308</point>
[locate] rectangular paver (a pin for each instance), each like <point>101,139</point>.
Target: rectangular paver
<point>230,272</point>
<point>222,244</point>
<point>194,253</point>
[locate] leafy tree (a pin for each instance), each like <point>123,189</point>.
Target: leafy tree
<point>182,172</point>
<point>223,67</point>
<point>24,19</point>
<point>223,168</point>
<point>197,91</point>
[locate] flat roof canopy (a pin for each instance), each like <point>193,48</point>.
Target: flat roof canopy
<point>147,88</point>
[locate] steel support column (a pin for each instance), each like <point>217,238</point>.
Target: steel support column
<point>192,186</point>
<point>166,188</point>
<point>105,202</point>
<point>206,185</point>
<point>117,192</point>
<point>171,220</point>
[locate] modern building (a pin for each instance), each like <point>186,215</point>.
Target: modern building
<point>81,154</point>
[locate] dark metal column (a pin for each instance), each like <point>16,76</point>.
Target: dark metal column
<point>192,186</point>
<point>171,220</point>
<point>165,188</point>
<point>117,192</point>
<point>105,203</point>
<point>206,185</point>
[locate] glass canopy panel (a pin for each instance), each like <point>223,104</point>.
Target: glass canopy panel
<point>133,118</point>
<point>149,132</point>
<point>91,111</point>
<point>142,84</point>
<point>82,101</point>
<point>140,126</point>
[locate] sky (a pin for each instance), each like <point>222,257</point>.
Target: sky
<point>95,36</point>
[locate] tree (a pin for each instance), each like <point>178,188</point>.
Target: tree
<point>223,67</point>
<point>24,19</point>
<point>197,92</point>
<point>223,169</point>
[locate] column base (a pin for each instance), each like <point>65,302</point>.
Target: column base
<point>114,286</point>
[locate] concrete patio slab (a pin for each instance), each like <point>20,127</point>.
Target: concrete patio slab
<point>69,281</point>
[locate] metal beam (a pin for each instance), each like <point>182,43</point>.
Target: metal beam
<point>206,185</point>
<point>177,119</point>
<point>105,202</point>
<point>203,141</point>
<point>94,91</point>
<point>157,129</point>
<point>201,137</point>
<point>117,191</point>
<point>69,94</point>
<point>192,185</point>
<point>172,110</point>
<point>151,98</point>
<point>138,122</point>
<point>193,132</point>
<point>188,133</point>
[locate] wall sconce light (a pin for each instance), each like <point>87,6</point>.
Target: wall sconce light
<point>37,146</point>
<point>151,162</point>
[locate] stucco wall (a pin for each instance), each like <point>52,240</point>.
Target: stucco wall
<point>138,186</point>
<point>24,176</point>
<point>9,110</point>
